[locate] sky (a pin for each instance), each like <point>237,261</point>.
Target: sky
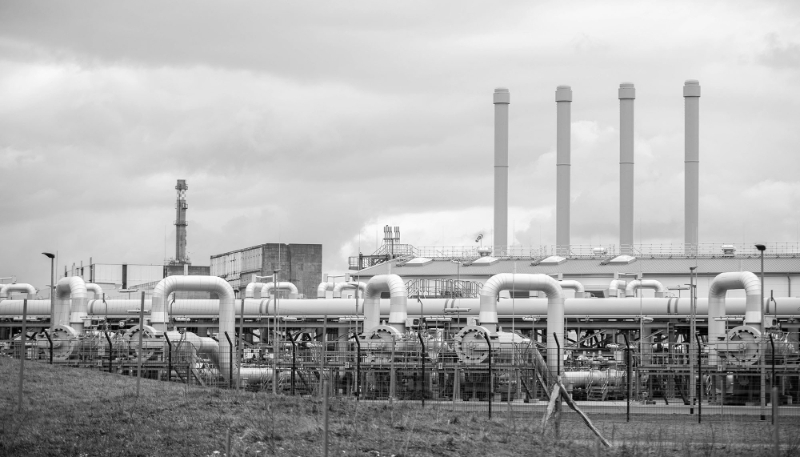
<point>321,122</point>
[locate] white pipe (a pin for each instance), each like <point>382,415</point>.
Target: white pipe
<point>283,285</point>
<point>627,93</point>
<point>227,315</point>
<point>615,286</point>
<point>7,289</point>
<point>398,302</point>
<point>636,284</point>
<point>563,164</point>
<point>252,287</point>
<point>209,347</point>
<point>502,98</point>
<point>322,288</point>
<point>716,301</point>
<point>691,97</point>
<point>337,290</point>
<point>580,291</point>
<point>598,377</point>
<point>660,308</point>
<point>98,291</point>
<point>70,307</point>
<point>555,307</point>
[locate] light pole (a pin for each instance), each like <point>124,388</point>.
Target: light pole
<point>52,287</point>
<point>692,331</point>
<point>761,248</point>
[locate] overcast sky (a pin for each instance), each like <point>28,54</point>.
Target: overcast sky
<point>320,122</point>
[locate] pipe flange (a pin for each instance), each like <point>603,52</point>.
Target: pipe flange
<point>65,340</point>
<point>132,339</point>
<point>743,345</point>
<point>470,344</point>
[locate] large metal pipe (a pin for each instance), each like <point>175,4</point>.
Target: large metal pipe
<point>337,290</point>
<point>563,164</point>
<point>227,315</point>
<point>672,308</point>
<point>580,291</point>
<point>284,285</point>
<point>502,98</point>
<point>716,301</point>
<point>398,302</point>
<point>555,307</point>
<point>96,289</point>
<point>691,97</point>
<point>627,93</point>
<point>252,289</point>
<point>323,287</point>
<point>7,289</point>
<point>71,307</point>
<point>636,284</point>
<point>615,286</point>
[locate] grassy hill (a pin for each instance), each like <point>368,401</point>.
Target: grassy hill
<point>79,412</point>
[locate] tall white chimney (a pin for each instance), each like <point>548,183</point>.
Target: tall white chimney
<point>563,101</point>
<point>691,97</point>
<point>502,98</point>
<point>627,93</point>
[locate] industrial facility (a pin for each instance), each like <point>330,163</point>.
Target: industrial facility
<point>694,322</point>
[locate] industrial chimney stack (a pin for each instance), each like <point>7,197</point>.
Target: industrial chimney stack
<point>502,98</point>
<point>180,223</point>
<point>691,97</point>
<point>627,93</point>
<point>563,102</point>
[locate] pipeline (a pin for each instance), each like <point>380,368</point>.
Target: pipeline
<point>322,288</point>
<point>580,291</point>
<point>268,287</point>
<point>636,284</point>
<point>337,290</point>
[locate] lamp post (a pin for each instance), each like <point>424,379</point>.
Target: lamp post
<point>761,248</point>
<point>52,287</point>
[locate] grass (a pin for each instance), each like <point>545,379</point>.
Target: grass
<point>78,412</point>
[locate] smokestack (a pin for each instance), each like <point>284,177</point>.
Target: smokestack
<point>502,98</point>
<point>180,222</point>
<point>563,101</point>
<point>627,93</point>
<point>691,97</point>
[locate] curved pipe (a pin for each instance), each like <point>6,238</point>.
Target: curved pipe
<point>555,307</point>
<point>250,290</point>
<point>98,291</point>
<point>7,289</point>
<point>615,286</point>
<point>398,303</point>
<point>322,288</point>
<point>572,284</point>
<point>337,290</point>
<point>227,315</point>
<point>268,287</point>
<point>716,301</point>
<point>636,284</point>
<point>70,307</point>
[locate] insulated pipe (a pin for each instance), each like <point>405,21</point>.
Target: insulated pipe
<point>209,347</point>
<point>563,164</point>
<point>70,309</point>
<point>636,284</point>
<point>691,204</point>
<point>249,291</point>
<point>398,308</point>
<point>627,93</point>
<point>7,289</point>
<point>555,307</point>
<point>502,98</point>
<point>572,284</point>
<point>716,301</point>
<point>337,290</point>
<point>98,291</point>
<point>213,284</point>
<point>615,286</point>
<point>322,288</point>
<point>284,285</point>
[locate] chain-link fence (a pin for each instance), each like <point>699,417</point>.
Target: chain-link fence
<point>722,382</point>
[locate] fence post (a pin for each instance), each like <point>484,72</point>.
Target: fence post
<point>169,357</point>
<point>141,347</point>
<point>491,390</point>
<point>110,351</point>
<point>422,356</point>
<point>294,359</point>
<point>325,415</point>
<point>558,375</point>
<point>629,373</point>
<point>50,342</point>
<point>23,339</point>
<point>230,365</point>
<point>699,380</point>
<point>358,366</point>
